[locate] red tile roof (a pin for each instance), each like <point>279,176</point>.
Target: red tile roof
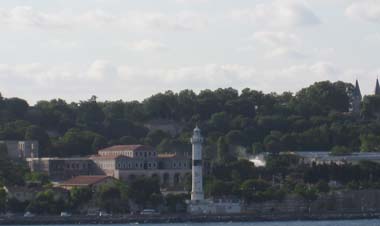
<point>167,155</point>
<point>135,147</point>
<point>109,157</point>
<point>84,180</point>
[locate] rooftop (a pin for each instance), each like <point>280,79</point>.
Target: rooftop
<point>167,155</point>
<point>135,147</point>
<point>58,158</point>
<point>110,157</point>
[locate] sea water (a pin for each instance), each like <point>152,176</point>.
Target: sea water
<point>285,223</point>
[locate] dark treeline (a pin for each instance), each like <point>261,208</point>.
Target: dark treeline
<point>315,118</point>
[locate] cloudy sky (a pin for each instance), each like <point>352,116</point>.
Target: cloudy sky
<point>128,49</point>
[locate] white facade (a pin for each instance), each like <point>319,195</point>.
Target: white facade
<point>197,181</point>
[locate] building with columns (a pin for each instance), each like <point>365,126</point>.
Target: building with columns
<point>124,162</point>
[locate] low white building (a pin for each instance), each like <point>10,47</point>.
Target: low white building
<point>325,157</point>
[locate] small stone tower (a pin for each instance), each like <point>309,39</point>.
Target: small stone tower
<point>356,99</point>
<point>197,183</point>
<point>377,87</point>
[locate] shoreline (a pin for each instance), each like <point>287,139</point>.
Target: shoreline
<point>126,219</point>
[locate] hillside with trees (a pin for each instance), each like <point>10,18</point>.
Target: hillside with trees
<point>313,119</point>
<point>233,123</point>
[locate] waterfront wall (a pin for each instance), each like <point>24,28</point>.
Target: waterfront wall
<point>335,202</point>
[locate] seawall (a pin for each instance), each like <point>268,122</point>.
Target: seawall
<point>43,220</point>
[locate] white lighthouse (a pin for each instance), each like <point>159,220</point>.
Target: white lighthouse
<point>197,183</point>
<point>197,204</point>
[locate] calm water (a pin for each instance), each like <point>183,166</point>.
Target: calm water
<point>291,223</point>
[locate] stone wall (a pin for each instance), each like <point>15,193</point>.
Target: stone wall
<point>334,202</point>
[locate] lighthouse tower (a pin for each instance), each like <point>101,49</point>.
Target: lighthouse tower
<point>197,183</point>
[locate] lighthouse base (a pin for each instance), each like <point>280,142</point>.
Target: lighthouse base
<point>217,206</point>
<point>197,196</point>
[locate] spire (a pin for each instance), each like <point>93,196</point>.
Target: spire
<point>357,92</point>
<point>377,87</point>
<point>356,99</point>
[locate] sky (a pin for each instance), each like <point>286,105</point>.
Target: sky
<point>130,50</point>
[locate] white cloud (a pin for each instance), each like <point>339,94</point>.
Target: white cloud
<point>280,44</point>
<point>372,38</point>
<point>285,52</point>
<point>192,1</point>
<point>28,17</point>
<point>109,81</point>
<point>146,45</point>
<point>61,44</point>
<point>368,10</point>
<point>101,70</point>
<point>275,39</point>
<point>280,13</point>
<point>179,21</point>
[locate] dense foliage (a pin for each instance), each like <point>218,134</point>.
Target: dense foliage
<point>234,124</point>
<point>315,118</point>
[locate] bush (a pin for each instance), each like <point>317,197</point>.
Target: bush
<point>340,150</point>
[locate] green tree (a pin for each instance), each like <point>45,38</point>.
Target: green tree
<point>322,186</point>
<point>128,140</point>
<point>78,142</point>
<point>15,108</point>
<point>176,203</point>
<point>111,199</point>
<point>155,137</point>
<point>257,148</point>
<point>253,189</point>
<point>15,206</point>
<point>223,154</point>
<point>272,142</point>
<point>37,133</point>
<point>90,114</point>
<point>35,177</point>
<point>3,199</point>
<point>308,193</point>
<point>218,188</point>
<point>322,97</point>
<point>370,143</point>
<point>47,202</point>
<point>235,137</point>
<point>371,109</point>
<point>80,196</point>
<point>141,190</point>
<point>340,150</point>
